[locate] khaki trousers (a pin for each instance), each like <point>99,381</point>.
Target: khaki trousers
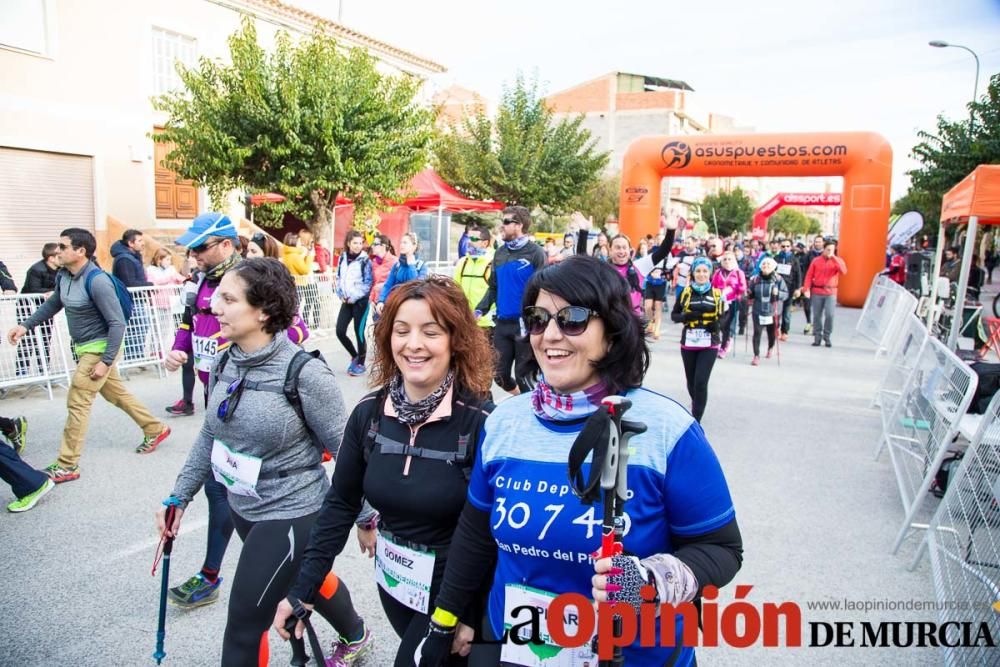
<point>80,400</point>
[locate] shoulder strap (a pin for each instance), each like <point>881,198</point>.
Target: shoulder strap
<point>291,388</point>
<point>221,366</point>
<point>368,444</point>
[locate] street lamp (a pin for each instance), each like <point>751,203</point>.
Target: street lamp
<point>941,44</point>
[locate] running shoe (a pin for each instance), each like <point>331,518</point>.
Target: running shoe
<point>19,436</point>
<point>30,500</point>
<point>346,653</point>
<point>828,343</point>
<point>181,408</point>
<point>151,442</point>
<point>769,351</point>
<point>808,330</point>
<point>195,592</point>
<point>59,474</point>
<point>783,337</point>
<point>356,368</point>
<point>755,361</point>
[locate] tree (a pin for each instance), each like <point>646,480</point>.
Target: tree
<point>733,211</point>
<point>309,121</point>
<point>792,222</point>
<point>958,147</point>
<point>525,157</point>
<point>600,199</point>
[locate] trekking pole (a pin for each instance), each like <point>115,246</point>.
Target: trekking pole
<point>299,656</point>
<point>606,435</point>
<point>777,331</point>
<point>167,545</point>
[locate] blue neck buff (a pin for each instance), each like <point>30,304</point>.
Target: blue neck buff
<point>701,288</point>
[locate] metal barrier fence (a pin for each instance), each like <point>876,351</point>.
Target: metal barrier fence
<point>45,358</point>
<point>963,541</point>
<point>923,423</point>
<point>884,312</point>
<point>903,358</point>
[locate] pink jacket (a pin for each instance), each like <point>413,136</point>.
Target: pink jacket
<point>732,283</point>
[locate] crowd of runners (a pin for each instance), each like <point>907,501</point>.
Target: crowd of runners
<point>461,502</point>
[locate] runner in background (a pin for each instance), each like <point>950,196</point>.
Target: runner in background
<point>268,454</point>
<point>699,306</point>
<point>408,267</point>
<point>681,533</point>
<point>472,273</point>
<point>513,265</point>
<point>408,449</point>
<point>730,279</point>
<point>354,283</point>
<point>767,291</point>
<point>791,273</point>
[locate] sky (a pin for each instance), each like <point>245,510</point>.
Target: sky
<point>781,65</point>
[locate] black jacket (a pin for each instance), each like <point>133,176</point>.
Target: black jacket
<point>127,266</point>
<point>39,278</point>
<point>419,498</point>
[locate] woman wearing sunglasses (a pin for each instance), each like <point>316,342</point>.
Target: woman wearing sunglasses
<point>680,528</point>
<point>408,449</point>
<point>257,445</point>
<point>699,306</point>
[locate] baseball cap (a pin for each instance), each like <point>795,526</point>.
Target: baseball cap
<point>208,224</point>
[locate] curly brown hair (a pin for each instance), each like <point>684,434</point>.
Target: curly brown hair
<point>471,352</point>
<point>270,287</point>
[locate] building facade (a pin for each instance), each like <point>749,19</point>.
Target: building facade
<point>76,117</point>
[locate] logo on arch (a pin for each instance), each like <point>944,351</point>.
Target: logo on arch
<point>676,154</point>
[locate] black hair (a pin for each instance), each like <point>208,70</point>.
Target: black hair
<point>485,233</point>
<point>50,250</point>
<point>81,238</point>
<point>270,287</point>
<point>829,242</point>
<point>130,235</point>
<point>591,283</point>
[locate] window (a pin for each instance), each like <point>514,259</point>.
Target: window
<point>175,197</point>
<point>24,25</point>
<point>168,48</point>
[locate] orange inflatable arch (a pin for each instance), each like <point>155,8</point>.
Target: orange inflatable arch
<point>864,159</point>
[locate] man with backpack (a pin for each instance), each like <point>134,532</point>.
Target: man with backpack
<point>127,267</point>
<point>97,307</point>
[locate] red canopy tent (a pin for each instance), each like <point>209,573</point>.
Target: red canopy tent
<point>974,201</point>
<point>430,193</point>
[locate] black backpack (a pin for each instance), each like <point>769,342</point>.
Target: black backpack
<point>291,386</point>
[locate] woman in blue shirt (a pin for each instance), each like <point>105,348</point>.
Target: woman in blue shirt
<point>680,525</point>
<point>409,267</point>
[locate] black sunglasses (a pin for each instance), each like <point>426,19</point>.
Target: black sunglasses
<point>228,406</point>
<point>571,320</point>
<point>63,246</point>
<point>205,246</point>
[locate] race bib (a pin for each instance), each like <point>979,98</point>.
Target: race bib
<point>237,472</point>
<point>784,269</point>
<point>205,349</point>
<point>698,338</point>
<point>547,654</point>
<point>404,573</point>
<point>766,319</point>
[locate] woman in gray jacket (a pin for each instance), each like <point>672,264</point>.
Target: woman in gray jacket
<point>266,449</point>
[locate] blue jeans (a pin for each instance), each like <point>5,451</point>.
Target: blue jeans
<point>23,479</point>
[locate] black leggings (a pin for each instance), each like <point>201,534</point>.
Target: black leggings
<point>698,368</point>
<point>758,329</point>
<point>511,350</point>
<point>269,562</point>
<point>353,311</point>
<point>187,380</point>
<point>726,323</point>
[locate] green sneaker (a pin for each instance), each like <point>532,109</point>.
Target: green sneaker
<point>195,592</point>
<point>30,500</point>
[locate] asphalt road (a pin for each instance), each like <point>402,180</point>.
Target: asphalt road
<point>817,514</point>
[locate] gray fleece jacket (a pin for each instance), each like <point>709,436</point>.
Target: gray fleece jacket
<point>89,319</point>
<point>264,425</point>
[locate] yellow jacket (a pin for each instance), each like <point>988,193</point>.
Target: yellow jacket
<point>297,261</point>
